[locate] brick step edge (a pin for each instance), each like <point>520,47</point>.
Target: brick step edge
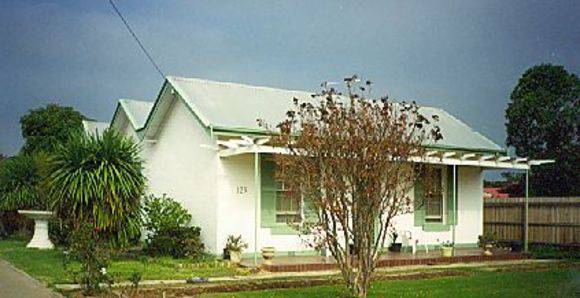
<point>395,262</point>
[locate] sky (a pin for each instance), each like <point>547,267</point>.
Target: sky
<point>462,56</point>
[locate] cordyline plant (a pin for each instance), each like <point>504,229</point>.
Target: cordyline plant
<point>352,160</point>
<point>98,179</point>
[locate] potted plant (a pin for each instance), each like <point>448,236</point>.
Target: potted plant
<point>226,254</point>
<point>486,242</point>
<point>395,246</point>
<point>447,249</point>
<point>234,246</point>
<point>268,254</point>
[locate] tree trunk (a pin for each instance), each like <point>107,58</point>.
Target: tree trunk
<point>359,289</point>
<point>3,231</point>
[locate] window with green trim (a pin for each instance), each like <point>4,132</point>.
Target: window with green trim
<point>434,199</point>
<point>288,209</point>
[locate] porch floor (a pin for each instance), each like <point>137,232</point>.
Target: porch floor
<point>388,259</point>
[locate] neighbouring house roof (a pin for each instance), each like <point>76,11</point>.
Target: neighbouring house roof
<point>94,127</point>
<point>236,107</point>
<point>494,192</point>
<point>137,111</point>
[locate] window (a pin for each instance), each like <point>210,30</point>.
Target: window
<point>288,210</point>
<point>434,200</point>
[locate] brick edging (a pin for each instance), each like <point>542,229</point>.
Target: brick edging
<point>395,262</point>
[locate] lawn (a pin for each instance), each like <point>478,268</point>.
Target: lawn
<point>48,265</point>
<point>540,280</point>
<point>556,283</point>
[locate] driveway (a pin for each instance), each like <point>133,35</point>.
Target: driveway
<point>15,283</point>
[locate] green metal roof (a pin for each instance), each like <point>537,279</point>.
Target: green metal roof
<point>236,107</point>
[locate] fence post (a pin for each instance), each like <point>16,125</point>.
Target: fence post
<point>526,203</point>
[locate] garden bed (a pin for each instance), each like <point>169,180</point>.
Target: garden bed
<point>48,265</point>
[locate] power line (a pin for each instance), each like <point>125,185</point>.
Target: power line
<point>137,39</point>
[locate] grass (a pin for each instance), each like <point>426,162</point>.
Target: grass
<point>48,265</point>
<point>556,283</point>
<point>507,281</point>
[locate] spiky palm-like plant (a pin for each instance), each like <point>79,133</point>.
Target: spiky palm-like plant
<point>98,179</point>
<point>21,182</point>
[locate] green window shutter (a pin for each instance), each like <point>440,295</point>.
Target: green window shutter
<point>419,207</point>
<point>309,211</point>
<point>268,194</point>
<point>451,218</point>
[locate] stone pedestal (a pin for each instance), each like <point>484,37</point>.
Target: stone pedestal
<point>40,238</point>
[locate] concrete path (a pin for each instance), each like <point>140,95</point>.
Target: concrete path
<point>15,283</point>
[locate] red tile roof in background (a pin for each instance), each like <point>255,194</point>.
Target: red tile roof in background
<point>495,192</point>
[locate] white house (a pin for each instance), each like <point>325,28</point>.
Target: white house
<point>202,146</point>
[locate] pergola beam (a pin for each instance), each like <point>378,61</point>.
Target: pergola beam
<point>430,153</point>
<point>246,145</point>
<point>538,162</point>
<point>503,158</point>
<point>448,154</point>
<point>487,157</point>
<point>520,159</point>
<point>228,144</point>
<point>468,156</point>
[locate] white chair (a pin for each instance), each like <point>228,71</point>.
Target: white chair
<point>413,240</point>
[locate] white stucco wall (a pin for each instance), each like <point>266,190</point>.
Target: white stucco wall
<point>236,211</point>
<point>470,205</point>
<point>236,199</point>
<point>469,211</point>
<point>178,165</point>
<point>124,126</point>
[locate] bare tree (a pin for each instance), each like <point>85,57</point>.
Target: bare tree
<point>352,161</point>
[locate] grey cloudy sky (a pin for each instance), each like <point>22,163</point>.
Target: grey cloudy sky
<point>463,56</point>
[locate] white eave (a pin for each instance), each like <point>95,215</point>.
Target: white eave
<point>247,145</point>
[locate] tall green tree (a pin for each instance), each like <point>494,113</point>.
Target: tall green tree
<point>542,123</point>
<point>98,179</point>
<point>45,127</point>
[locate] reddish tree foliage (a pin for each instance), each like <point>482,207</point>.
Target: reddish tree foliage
<point>352,161</point>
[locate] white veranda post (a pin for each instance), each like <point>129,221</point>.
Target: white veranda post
<point>257,187</point>
<point>454,207</point>
<point>526,212</point>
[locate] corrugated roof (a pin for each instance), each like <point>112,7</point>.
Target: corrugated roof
<point>457,134</point>
<point>137,111</point>
<point>237,106</point>
<point>94,127</point>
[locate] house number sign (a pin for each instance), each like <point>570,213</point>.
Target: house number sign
<point>240,190</point>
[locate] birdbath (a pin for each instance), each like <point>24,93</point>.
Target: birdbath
<point>40,238</point>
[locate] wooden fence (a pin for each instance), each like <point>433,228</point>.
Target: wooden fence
<point>550,220</point>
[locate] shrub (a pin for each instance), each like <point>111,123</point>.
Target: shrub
<point>60,231</point>
<point>166,221</point>
<point>554,252</point>
<point>86,247</point>
<point>21,182</point>
<point>178,242</point>
<point>13,225</point>
<point>164,214</point>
